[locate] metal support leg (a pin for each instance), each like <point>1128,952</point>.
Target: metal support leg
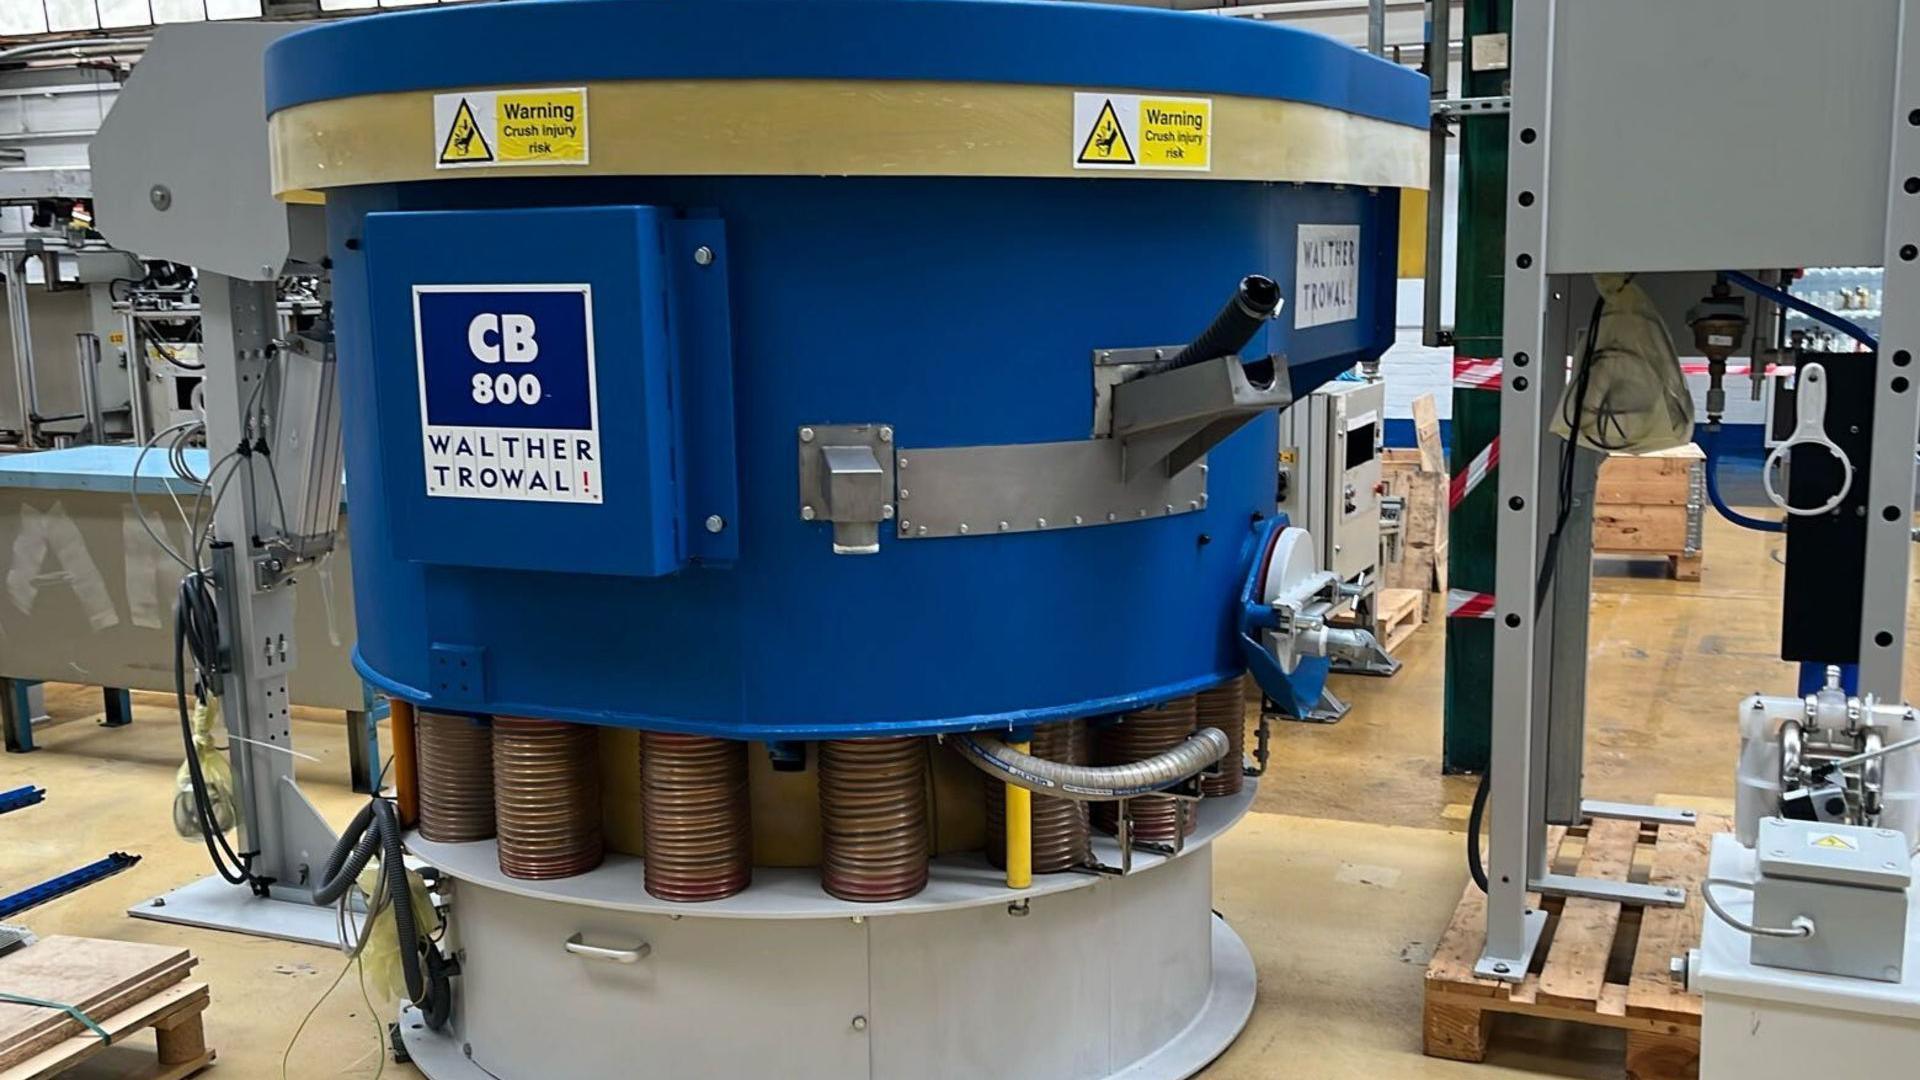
<point>1513,928</point>
<point>363,750</point>
<point>1439,74</point>
<point>1896,401</point>
<point>119,706</point>
<point>19,322</point>
<point>19,708</point>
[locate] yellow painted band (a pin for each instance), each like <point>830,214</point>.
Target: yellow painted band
<point>799,127</point>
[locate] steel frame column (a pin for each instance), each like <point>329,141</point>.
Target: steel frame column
<point>1896,404</point>
<point>239,322</point>
<point>20,326</point>
<point>1540,639</point>
<point>1513,927</point>
<point>287,837</point>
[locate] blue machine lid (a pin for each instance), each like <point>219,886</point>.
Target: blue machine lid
<point>531,42</point>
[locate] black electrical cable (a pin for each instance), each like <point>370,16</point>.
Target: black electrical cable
<point>375,830</point>
<point>1476,818</point>
<point>1582,379</point>
<point>196,630</point>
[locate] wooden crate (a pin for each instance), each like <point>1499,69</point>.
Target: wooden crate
<point>1599,963</point>
<point>1423,547</point>
<point>1400,613</point>
<point>180,1039</point>
<point>1652,505</point>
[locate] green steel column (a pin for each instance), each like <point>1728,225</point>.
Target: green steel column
<point>1476,413</point>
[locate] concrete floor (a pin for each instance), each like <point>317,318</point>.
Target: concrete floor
<point>1340,881</point>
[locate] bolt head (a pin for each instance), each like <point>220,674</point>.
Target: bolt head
<point>161,197</point>
<point>1003,526</point>
<point>703,255</point>
<point>1676,893</point>
<point>1039,523</point>
<point>886,433</point>
<point>806,434</point>
<point>963,528</point>
<point>806,513</point>
<point>886,511</point>
<point>859,1023</point>
<point>716,523</point>
<point>1501,968</point>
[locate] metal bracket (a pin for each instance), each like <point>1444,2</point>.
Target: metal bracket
<point>1030,487</point>
<point>1451,108</point>
<point>1533,922</point>
<point>1625,892</point>
<point>1170,420</point>
<point>1653,815</point>
<point>847,478</point>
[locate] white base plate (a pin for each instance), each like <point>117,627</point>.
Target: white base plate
<point>213,904</point>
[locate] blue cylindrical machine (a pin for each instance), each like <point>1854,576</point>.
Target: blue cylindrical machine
<point>788,372</point>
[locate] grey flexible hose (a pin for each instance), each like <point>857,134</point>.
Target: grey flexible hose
<point>1095,783</point>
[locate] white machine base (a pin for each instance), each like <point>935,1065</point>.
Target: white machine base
<point>1081,977</point>
<point>441,1055</point>
<point>213,904</point>
<point>1765,1021</point>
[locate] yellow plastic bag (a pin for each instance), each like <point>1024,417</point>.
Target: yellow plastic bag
<point>214,768</point>
<point>381,957</point>
<point>1637,400</point>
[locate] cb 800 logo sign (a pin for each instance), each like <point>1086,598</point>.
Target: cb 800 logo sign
<point>508,400</point>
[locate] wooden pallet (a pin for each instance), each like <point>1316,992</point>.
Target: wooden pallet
<point>180,1039</point>
<point>1400,612</point>
<point>1599,963</point>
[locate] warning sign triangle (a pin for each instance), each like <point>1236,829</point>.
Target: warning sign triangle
<point>465,142</point>
<point>1106,141</point>
<point>1839,843</point>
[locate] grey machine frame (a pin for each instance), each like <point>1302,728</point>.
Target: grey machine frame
<point>212,207</point>
<point>1732,200</point>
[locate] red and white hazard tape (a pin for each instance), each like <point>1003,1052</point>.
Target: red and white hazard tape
<point>1476,471</point>
<point>1476,373</point>
<point>1462,604</point>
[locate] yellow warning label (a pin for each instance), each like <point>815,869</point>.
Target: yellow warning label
<point>1106,143</point>
<point>115,337</point>
<point>544,126</point>
<point>1176,133</point>
<point>1833,842</point>
<point>464,142</point>
<point>1129,131</point>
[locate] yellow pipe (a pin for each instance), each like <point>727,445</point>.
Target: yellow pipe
<point>1019,830</point>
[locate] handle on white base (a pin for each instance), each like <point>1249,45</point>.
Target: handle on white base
<point>578,947</point>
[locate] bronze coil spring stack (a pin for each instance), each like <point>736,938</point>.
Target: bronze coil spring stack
<point>1225,707</point>
<point>699,834</point>
<point>873,817</point>
<point>455,755</point>
<point>1061,838</point>
<point>546,797</point>
<point>1138,736</point>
